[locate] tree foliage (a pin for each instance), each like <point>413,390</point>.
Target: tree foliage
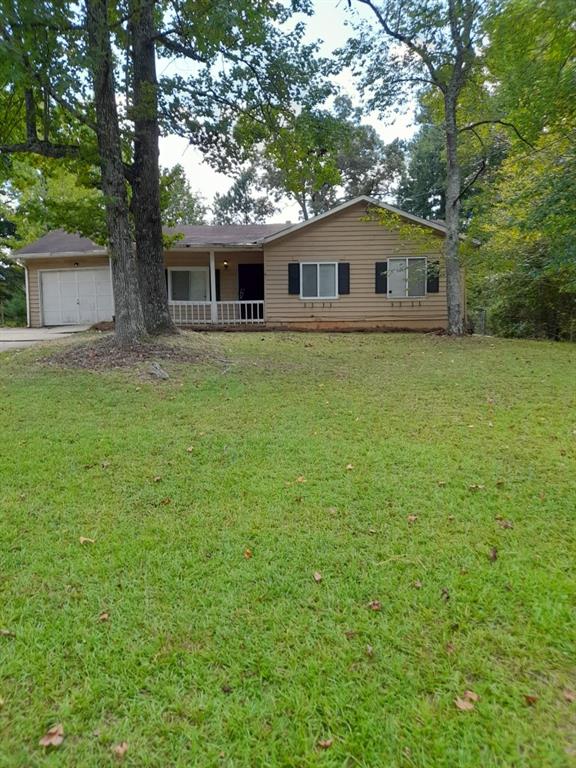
<point>244,202</point>
<point>179,204</point>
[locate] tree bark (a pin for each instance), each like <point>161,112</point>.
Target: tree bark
<point>452,216</point>
<point>130,325</point>
<point>145,179</point>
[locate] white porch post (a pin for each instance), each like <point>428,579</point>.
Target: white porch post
<point>213,305</point>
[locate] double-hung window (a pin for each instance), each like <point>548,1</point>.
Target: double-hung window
<point>189,284</point>
<point>407,277</point>
<point>319,280</point>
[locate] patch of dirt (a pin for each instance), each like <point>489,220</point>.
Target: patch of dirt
<point>105,354</point>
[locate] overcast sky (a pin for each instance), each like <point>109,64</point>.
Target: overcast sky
<point>327,24</point>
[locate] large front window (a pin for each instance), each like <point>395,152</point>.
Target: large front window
<point>190,284</point>
<point>407,277</point>
<point>319,280</point>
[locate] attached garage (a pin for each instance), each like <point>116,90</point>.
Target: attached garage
<point>76,296</point>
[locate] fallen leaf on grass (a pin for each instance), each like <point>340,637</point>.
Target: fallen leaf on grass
<point>86,540</point>
<point>104,616</point>
<point>7,633</point>
<point>569,695</point>
<point>493,555</point>
<point>53,737</point>
<point>119,750</point>
<point>248,554</point>
<point>350,633</point>
<point>441,483</point>
<point>190,449</point>
<point>417,584</point>
<point>475,487</point>
<point>471,696</point>
<point>166,500</point>
<point>445,593</point>
<point>317,577</point>
<point>412,518</point>
<point>375,605</point>
<point>504,523</point>
<point>349,466</point>
<point>157,479</point>
<point>530,699</point>
<point>450,648</point>
<point>325,743</point>
<point>300,479</point>
<point>369,651</point>
<point>467,702</point>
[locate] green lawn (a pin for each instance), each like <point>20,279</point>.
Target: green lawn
<point>210,657</point>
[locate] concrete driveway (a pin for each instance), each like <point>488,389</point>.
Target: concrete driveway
<point>19,338</point>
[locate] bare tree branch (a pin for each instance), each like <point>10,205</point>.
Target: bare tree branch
<point>44,148</point>
<point>407,41</point>
<point>505,123</point>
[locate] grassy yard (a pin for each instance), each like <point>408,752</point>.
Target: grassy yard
<point>432,479</point>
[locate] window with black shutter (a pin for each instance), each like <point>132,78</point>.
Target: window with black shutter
<point>381,281</point>
<point>343,278</point>
<point>433,277</point>
<point>294,279</point>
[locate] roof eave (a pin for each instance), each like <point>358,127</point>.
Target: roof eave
<point>58,254</point>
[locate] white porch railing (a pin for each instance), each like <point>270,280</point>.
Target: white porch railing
<point>225,312</point>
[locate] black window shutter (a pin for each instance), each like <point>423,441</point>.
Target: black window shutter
<point>381,284</point>
<point>343,278</point>
<point>217,285</point>
<point>433,277</point>
<point>294,279</point>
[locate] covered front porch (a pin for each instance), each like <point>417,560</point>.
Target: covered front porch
<point>215,288</point>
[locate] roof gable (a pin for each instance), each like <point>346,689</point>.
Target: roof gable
<point>361,199</point>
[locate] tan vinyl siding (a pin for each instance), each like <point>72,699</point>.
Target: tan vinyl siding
<point>35,266</point>
<point>344,237</point>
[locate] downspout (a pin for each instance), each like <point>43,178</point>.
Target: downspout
<point>213,305</point>
<point>112,288</point>
<point>26,285</point>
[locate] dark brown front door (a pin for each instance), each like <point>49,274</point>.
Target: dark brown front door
<point>251,288</point>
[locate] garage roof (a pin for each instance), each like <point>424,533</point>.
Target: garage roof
<point>59,242</point>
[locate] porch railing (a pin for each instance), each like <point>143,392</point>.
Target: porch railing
<point>226,312</point>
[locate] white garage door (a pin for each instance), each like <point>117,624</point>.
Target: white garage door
<point>72,296</point>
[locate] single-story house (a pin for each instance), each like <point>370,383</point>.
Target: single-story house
<point>334,271</point>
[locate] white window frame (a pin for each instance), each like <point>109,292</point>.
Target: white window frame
<point>206,271</point>
<point>317,265</point>
<point>407,259</point>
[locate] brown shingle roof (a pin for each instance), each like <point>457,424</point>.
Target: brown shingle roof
<point>59,241</point>
<point>223,234</point>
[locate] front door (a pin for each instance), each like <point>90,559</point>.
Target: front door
<point>251,288</point>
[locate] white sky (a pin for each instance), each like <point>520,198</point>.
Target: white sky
<point>328,24</point>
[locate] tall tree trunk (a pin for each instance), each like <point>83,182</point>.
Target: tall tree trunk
<point>146,171</point>
<point>130,325</point>
<point>452,215</point>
